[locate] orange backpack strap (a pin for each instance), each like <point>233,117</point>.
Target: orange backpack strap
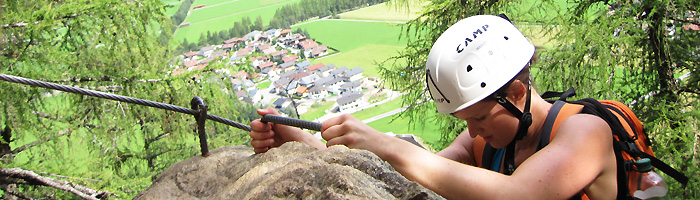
<point>484,153</point>
<point>478,150</point>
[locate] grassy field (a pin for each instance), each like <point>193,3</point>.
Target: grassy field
<point>220,8</point>
<point>348,35</point>
<point>317,110</point>
<point>386,12</point>
<point>365,56</point>
<point>429,132</point>
<point>221,14</point>
<point>383,108</point>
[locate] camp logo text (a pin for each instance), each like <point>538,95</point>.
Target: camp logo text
<point>467,40</point>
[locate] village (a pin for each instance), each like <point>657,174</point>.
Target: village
<point>283,75</point>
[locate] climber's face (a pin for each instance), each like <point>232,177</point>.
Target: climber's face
<point>490,121</point>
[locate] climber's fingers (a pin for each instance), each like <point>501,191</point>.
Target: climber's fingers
<point>261,150</point>
<point>349,131</point>
<point>337,126</point>
<point>268,110</point>
<point>259,126</point>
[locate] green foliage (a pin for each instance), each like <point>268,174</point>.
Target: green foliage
<point>630,55</point>
<point>107,46</point>
<point>616,50</point>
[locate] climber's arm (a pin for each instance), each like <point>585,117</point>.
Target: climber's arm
<point>460,150</point>
<point>555,172</point>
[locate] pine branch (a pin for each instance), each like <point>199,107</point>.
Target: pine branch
<point>68,177</point>
<point>160,136</point>
<point>101,79</point>
<point>21,176</point>
<point>24,24</point>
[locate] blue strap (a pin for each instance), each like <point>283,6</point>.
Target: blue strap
<point>496,162</point>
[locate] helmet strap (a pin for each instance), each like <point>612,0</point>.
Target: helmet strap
<point>524,117</point>
<point>525,120</point>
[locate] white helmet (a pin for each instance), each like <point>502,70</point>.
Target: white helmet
<point>472,59</point>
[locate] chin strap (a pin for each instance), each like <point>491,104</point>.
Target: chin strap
<point>525,119</point>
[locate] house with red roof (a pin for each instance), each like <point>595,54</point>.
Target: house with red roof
<point>315,66</point>
<point>285,32</point>
<point>240,75</point>
<point>190,63</point>
<point>290,58</point>
<point>199,67</point>
<point>307,44</point>
<point>178,72</point>
<point>244,52</point>
<point>190,54</point>
<point>301,91</point>
<point>228,46</point>
<point>318,51</point>
<point>265,65</point>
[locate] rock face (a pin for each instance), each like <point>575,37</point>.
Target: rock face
<point>292,171</point>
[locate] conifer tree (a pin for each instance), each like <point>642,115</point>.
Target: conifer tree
<point>643,53</point>
<point>109,46</point>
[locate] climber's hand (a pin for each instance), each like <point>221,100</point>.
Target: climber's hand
<point>268,135</point>
<point>351,132</point>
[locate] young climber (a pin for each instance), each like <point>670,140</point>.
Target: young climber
<point>478,71</point>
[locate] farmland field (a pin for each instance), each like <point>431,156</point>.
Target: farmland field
<point>220,9</point>
<point>220,15</point>
<point>346,35</point>
<point>385,12</point>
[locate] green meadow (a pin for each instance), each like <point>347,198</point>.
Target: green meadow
<point>366,57</point>
<point>346,35</point>
<point>220,15</point>
<point>386,12</point>
<point>429,132</point>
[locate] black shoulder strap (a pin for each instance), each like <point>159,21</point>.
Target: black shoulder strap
<point>549,123</point>
<point>667,169</point>
<point>562,95</point>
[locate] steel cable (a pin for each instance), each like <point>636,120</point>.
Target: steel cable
<point>104,95</point>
